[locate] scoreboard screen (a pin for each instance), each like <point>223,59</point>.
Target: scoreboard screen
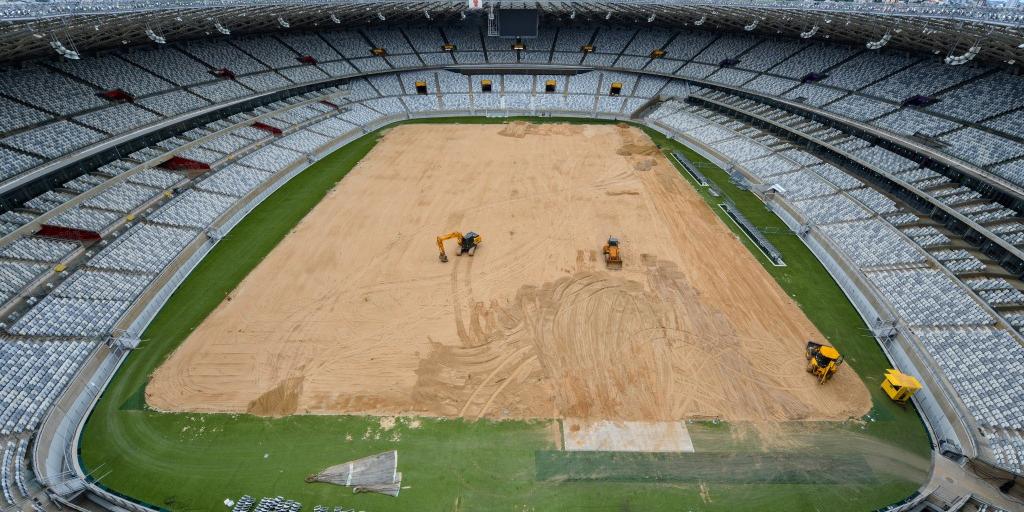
<point>518,22</point>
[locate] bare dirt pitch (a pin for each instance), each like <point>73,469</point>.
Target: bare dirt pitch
<point>353,313</point>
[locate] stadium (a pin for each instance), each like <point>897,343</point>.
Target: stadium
<point>272,255</point>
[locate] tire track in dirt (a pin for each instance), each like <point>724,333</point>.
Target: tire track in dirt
<point>516,373</point>
<point>650,355</point>
<point>490,378</point>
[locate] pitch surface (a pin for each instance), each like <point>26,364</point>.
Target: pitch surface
<point>352,312</point>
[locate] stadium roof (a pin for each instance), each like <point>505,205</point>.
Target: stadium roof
<point>27,29</point>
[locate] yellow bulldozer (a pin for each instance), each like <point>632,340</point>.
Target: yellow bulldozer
<point>823,361</point>
<point>898,386</point>
<point>467,244</point>
<point>612,257</point>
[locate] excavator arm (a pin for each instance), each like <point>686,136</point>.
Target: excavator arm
<point>440,244</point>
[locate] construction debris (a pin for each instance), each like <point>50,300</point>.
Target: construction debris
<point>375,473</point>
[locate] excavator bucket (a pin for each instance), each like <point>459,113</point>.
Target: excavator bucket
<point>443,257</point>
<point>614,264</point>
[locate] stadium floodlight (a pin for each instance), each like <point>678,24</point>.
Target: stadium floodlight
<point>958,60</point>
<point>334,18</point>
<point>62,51</point>
<point>380,15</point>
<point>153,36</point>
<point>650,19</point>
<point>462,15</point>
<point>572,15</point>
<point>810,33</point>
<point>875,45</point>
<point>608,16</point>
<point>283,22</point>
<point>221,28</point>
<point>700,21</point>
<point>752,25</point>
<point>426,13</point>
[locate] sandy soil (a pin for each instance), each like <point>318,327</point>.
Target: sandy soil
<point>353,313</point>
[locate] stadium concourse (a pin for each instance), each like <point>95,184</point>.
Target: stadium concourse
<point>122,165</point>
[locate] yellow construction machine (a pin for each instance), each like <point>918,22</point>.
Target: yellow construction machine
<point>612,257</point>
<point>899,386</point>
<point>823,361</point>
<point>467,244</point>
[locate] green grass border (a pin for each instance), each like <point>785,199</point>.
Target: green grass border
<point>143,453</point>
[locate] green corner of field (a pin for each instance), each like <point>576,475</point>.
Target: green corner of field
<point>195,461</point>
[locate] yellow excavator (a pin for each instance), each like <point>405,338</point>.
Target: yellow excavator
<point>823,361</point>
<point>467,244</point>
<point>612,257</point>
